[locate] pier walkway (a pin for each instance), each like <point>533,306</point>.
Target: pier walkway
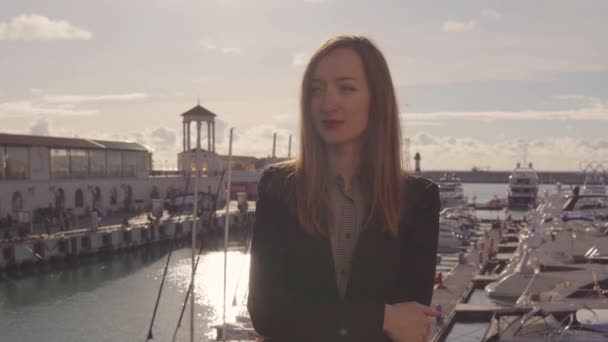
<point>83,225</point>
<point>458,283</point>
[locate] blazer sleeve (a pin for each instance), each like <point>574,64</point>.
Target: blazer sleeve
<point>277,313</point>
<point>419,247</point>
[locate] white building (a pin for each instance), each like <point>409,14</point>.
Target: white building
<point>79,175</point>
<point>82,174</point>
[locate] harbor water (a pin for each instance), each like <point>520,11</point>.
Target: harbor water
<point>113,299</point>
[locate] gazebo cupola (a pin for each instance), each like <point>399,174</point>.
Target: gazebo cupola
<point>199,115</point>
<point>209,162</point>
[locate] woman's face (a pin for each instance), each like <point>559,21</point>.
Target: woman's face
<point>340,97</point>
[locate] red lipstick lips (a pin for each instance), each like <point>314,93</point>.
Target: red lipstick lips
<point>332,124</point>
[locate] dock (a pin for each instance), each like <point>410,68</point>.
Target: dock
<point>465,312</point>
<point>481,280</point>
<point>457,287</point>
<point>508,247</point>
<point>34,252</point>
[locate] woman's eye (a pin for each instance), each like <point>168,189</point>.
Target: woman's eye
<point>315,90</point>
<point>347,89</point>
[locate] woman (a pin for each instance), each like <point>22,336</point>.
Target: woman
<point>344,243</point>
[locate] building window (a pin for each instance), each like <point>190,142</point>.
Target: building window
<point>79,163</point>
<point>60,200</point>
<point>113,196</point>
<point>142,163</point>
<point>2,162</point>
<point>96,198</point>
<point>17,201</point>
<point>60,163</point>
<point>78,199</point>
<point>16,162</point>
<point>97,163</point>
<point>114,164</point>
<point>129,164</point>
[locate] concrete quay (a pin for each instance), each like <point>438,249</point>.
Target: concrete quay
<point>34,252</point>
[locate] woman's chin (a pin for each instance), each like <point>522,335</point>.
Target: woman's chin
<point>338,140</point>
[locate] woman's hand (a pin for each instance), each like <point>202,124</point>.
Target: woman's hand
<point>408,321</point>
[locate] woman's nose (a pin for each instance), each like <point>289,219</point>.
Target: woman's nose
<point>328,102</point>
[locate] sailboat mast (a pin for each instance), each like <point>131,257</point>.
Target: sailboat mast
<point>226,227</point>
<point>194,221</point>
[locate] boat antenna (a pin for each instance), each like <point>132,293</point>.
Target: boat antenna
<point>226,228</point>
<point>150,336</point>
<point>226,231</point>
<point>200,250</point>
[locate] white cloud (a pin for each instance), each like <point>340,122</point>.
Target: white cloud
<point>161,141</point>
<point>301,58</point>
<point>200,79</point>
<point>491,14</point>
<point>425,139</point>
<point>221,131</point>
<point>163,138</point>
<point>19,108</point>
<point>451,26</point>
<point>207,44</point>
<point>37,27</point>
<point>40,127</point>
<point>422,123</point>
<point>595,109</point>
<point>210,45</point>
<point>231,50</point>
<point>84,98</point>
<point>582,99</point>
<point>247,141</point>
<point>254,140</point>
<point>552,153</point>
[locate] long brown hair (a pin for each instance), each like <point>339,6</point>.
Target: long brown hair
<point>381,173</point>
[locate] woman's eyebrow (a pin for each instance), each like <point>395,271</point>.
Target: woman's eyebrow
<point>341,78</point>
<point>346,78</point>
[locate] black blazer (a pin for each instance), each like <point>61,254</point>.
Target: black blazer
<point>292,284</point>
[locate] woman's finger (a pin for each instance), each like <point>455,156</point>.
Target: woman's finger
<point>427,310</point>
<point>427,331</point>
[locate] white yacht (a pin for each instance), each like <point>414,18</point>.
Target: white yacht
<point>522,188</point>
<point>594,186</point>
<point>448,242</point>
<point>547,324</point>
<point>554,252</point>
<point>451,238</point>
<point>451,192</point>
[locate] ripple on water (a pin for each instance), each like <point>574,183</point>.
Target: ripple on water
<point>113,299</point>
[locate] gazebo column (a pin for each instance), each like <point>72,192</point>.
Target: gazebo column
<point>188,135</point>
<point>184,136</point>
<point>213,137</point>
<point>208,136</point>
<point>198,135</point>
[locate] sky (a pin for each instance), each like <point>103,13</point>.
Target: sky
<point>480,83</point>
